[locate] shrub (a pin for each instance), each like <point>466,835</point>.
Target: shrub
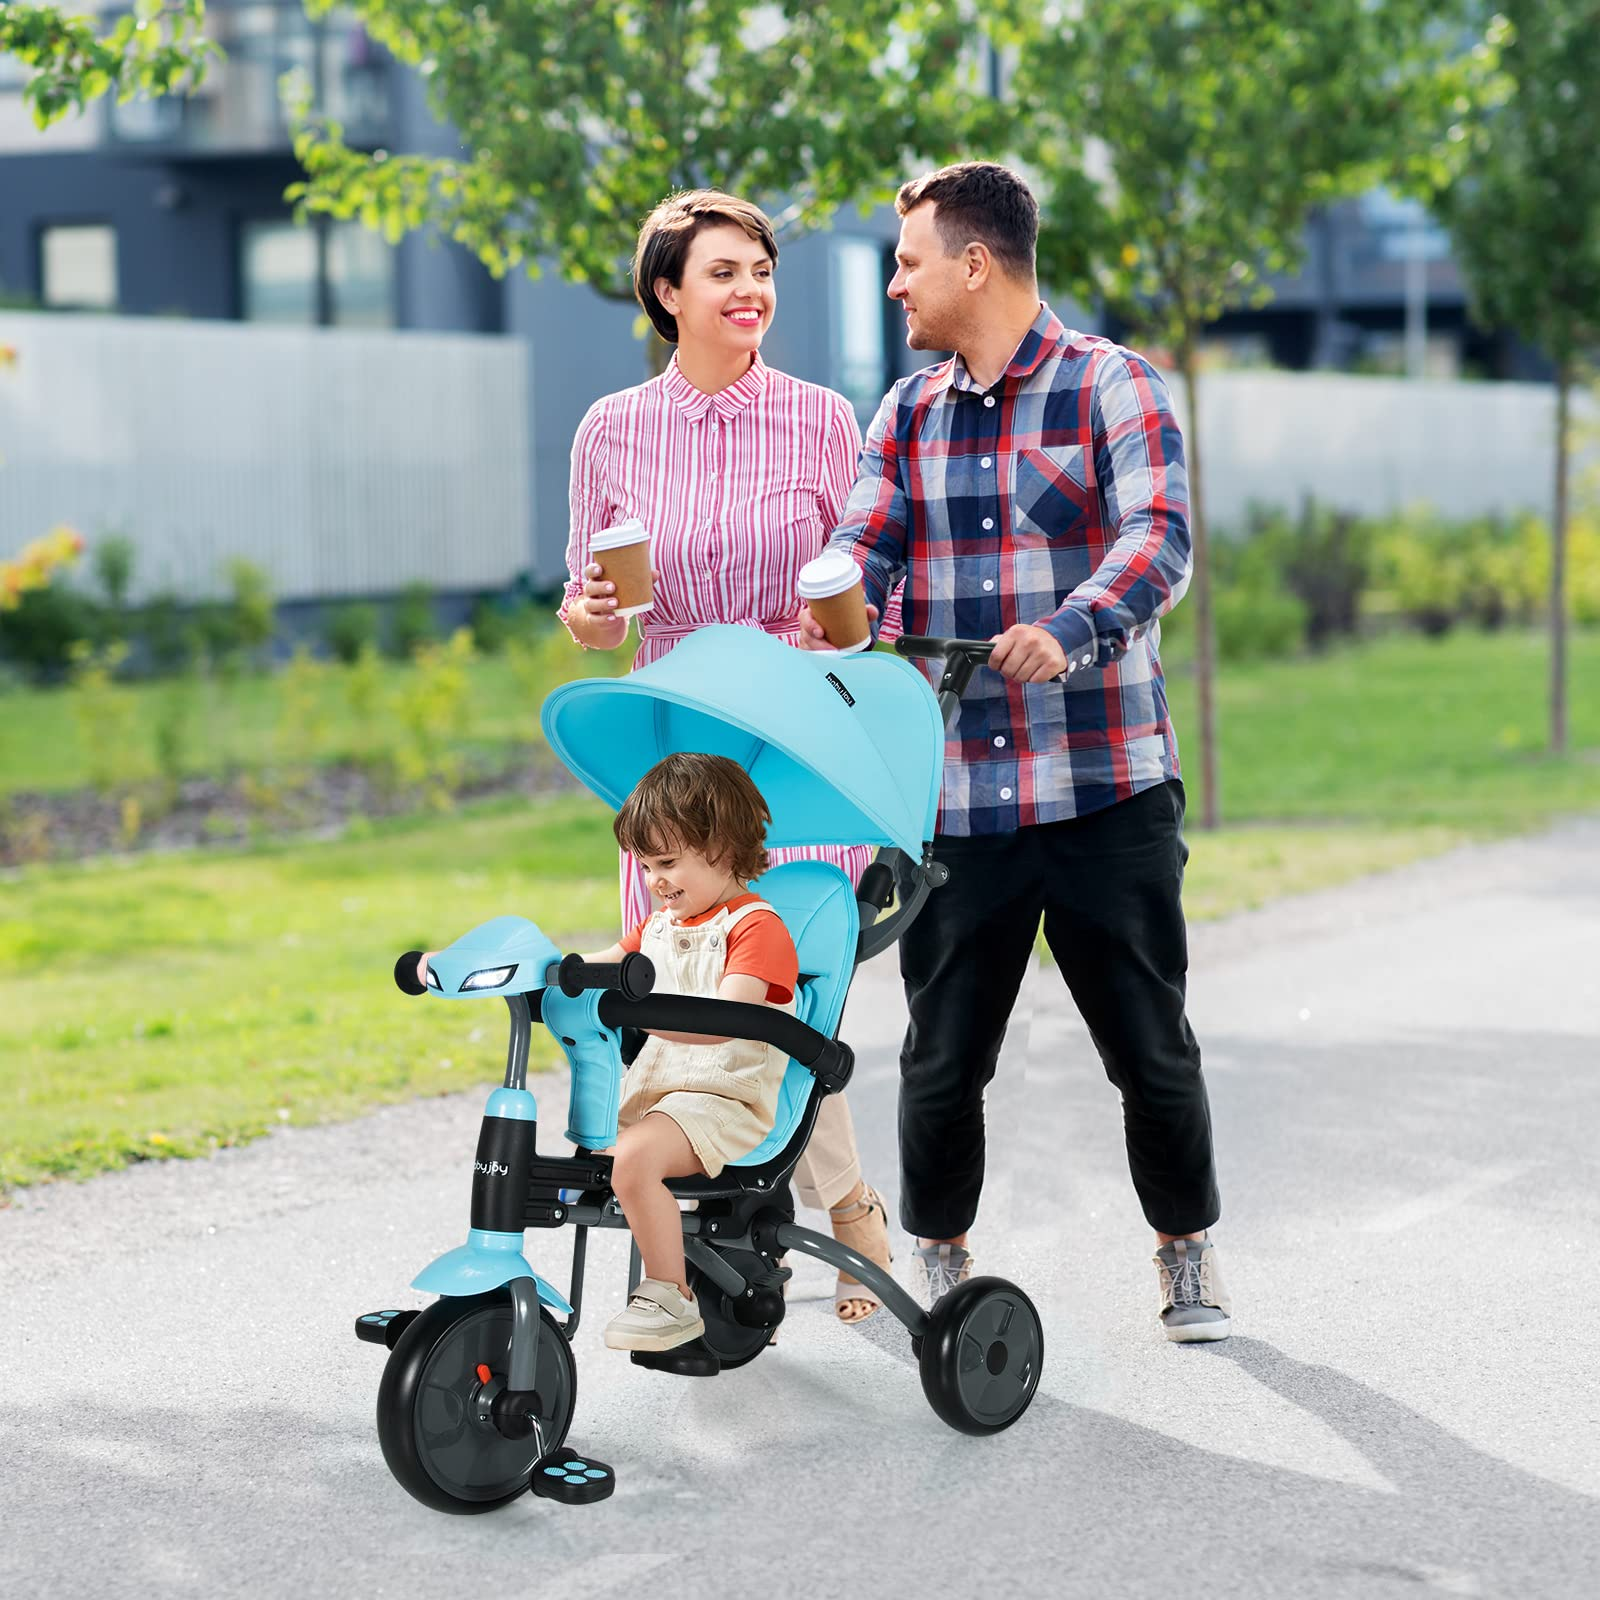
<point>39,631</point>
<point>350,630</point>
<point>1423,563</point>
<point>113,562</point>
<point>414,625</point>
<point>500,620</point>
<point>170,634</point>
<point>253,615</point>
<point>431,713</point>
<point>1325,560</point>
<point>107,717</point>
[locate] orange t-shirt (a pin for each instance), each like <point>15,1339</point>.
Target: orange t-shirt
<point>758,945</point>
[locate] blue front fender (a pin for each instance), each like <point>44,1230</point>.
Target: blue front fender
<point>484,1262</point>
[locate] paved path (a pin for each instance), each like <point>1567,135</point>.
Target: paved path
<point>1405,1077</point>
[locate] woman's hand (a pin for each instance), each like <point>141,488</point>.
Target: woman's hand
<point>811,635</point>
<point>592,616</point>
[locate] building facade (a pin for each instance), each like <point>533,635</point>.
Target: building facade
<point>175,208</point>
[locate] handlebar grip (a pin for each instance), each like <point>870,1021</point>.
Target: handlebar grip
<point>633,976</point>
<point>405,973</point>
<point>935,648</point>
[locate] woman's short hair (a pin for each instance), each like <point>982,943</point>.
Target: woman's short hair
<point>670,229</point>
<point>984,202</point>
<point>697,802</point>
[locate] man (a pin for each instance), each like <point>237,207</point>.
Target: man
<point>1031,489</point>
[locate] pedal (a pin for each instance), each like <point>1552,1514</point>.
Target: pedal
<point>691,1360</point>
<point>572,1479</point>
<point>384,1327</point>
<point>772,1278</point>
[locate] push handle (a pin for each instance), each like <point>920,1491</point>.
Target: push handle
<point>961,657</point>
<point>633,976</point>
<point>927,644</point>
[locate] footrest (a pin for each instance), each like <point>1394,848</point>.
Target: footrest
<point>691,1360</point>
<point>772,1278</point>
<point>384,1327</point>
<point>572,1479</point>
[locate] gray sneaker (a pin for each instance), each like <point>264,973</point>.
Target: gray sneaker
<point>1195,1307</point>
<point>936,1269</point>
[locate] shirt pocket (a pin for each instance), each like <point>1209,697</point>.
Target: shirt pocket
<point>1051,491</point>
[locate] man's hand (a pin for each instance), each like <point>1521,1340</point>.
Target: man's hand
<point>1027,654</point>
<point>811,635</point>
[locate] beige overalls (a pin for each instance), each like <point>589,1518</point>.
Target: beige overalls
<point>723,1096</point>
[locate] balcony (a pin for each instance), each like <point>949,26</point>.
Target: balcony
<point>237,111</point>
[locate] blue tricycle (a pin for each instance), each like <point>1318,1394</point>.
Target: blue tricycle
<point>480,1386</point>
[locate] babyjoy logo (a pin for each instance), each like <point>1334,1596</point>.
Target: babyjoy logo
<point>844,694</point>
<point>492,1168</point>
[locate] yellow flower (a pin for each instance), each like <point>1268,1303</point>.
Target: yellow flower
<point>1130,255</point>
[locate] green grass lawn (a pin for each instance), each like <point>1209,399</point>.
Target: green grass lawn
<point>160,1006</point>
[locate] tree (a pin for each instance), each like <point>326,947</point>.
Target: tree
<point>156,49</point>
<point>1181,145</point>
<point>577,116</point>
<point>1524,214</point>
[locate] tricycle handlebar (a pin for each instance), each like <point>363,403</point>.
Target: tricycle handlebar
<point>634,976</point>
<point>405,973</point>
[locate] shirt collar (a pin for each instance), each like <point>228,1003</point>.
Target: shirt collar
<point>695,403</point>
<point>1042,337</point>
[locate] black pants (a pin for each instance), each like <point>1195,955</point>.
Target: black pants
<point>1107,885</point>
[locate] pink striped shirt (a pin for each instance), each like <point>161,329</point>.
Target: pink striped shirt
<point>739,490</point>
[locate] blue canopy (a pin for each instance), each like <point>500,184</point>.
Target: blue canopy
<point>844,749</point>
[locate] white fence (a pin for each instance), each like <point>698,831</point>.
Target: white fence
<point>341,462</point>
<point>1376,445</point>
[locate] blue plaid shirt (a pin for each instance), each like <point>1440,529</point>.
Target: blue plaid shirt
<point>1057,497</point>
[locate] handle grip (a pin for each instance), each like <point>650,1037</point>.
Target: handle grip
<point>923,644</point>
<point>633,976</point>
<point>405,973</point>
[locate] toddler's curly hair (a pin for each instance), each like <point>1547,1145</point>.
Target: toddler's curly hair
<point>697,802</point>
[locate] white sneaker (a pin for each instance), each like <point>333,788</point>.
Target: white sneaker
<point>1195,1307</point>
<point>657,1317</point>
<point>936,1269</point>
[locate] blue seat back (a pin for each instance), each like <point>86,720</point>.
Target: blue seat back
<point>818,905</point>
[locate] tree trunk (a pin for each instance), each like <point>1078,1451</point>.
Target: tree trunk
<point>1205,638</point>
<point>1558,567</point>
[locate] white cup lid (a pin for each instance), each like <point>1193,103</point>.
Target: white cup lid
<point>831,573</point>
<point>629,532</point>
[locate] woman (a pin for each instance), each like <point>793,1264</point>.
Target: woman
<point>740,473</point>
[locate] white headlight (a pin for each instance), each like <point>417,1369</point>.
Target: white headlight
<point>489,978</point>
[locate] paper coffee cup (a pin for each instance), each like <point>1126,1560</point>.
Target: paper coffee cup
<point>831,586</point>
<point>624,556</point>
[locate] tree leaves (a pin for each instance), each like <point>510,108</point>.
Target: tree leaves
<point>157,50</point>
<point>578,116</point>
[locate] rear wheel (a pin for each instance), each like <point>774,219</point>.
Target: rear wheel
<point>728,1339</point>
<point>982,1355</point>
<point>436,1435</point>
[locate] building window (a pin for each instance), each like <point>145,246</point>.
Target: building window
<point>860,357</point>
<point>78,267</point>
<point>361,275</point>
<point>323,273</point>
<point>278,266</point>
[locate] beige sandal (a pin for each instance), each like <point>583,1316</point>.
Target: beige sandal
<point>867,1230</point>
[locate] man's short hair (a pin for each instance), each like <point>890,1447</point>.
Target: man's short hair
<point>982,202</point>
<point>697,802</point>
<point>670,229</point>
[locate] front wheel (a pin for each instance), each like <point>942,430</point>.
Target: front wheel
<point>982,1355</point>
<point>436,1436</point>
